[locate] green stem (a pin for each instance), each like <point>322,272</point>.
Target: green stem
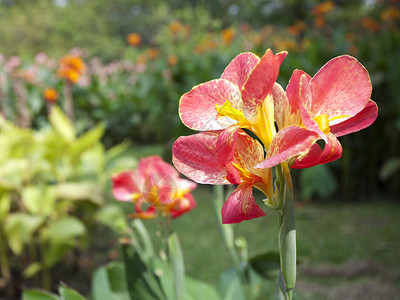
<point>226,231</point>
<point>287,236</point>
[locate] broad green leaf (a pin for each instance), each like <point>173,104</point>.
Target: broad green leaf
<point>109,282</point>
<point>13,173</point>
<point>19,229</point>
<point>199,290</point>
<point>230,286</point>
<point>69,294</point>
<point>117,150</point>
<point>87,140</point>
<point>57,251</point>
<point>64,229</point>
<point>35,294</point>
<point>177,264</point>
<point>145,239</point>
<point>266,264</point>
<point>84,190</point>
<point>113,217</point>
<point>5,203</point>
<point>32,269</point>
<point>62,125</point>
<point>317,180</point>
<point>38,199</point>
<point>163,271</point>
<point>143,283</point>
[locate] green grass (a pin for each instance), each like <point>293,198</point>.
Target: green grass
<point>352,246</point>
<point>338,237</point>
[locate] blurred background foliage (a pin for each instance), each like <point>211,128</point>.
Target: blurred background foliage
<point>141,56</point>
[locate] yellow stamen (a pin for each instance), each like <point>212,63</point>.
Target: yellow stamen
<point>264,128</point>
<point>228,110</point>
<point>323,123</point>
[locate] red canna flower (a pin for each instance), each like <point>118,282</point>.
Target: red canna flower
<point>335,102</point>
<point>156,189</point>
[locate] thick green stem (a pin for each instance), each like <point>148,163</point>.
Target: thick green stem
<point>287,236</point>
<point>5,266</point>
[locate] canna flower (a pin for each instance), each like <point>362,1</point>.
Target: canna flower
<point>370,24</point>
<point>172,60</point>
<point>155,188</point>
<point>50,95</point>
<point>335,102</point>
<point>206,158</point>
<point>152,53</point>
<point>134,39</point>
<point>175,26</point>
<point>228,34</point>
<point>71,68</point>
<point>390,13</point>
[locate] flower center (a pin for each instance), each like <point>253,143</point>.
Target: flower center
<point>323,123</point>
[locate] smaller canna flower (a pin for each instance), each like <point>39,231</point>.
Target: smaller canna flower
<point>50,95</point>
<point>155,188</point>
<point>134,39</point>
<point>71,68</point>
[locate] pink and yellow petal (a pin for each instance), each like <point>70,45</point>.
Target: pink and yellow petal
<point>197,108</point>
<point>240,68</point>
<point>332,151</point>
<point>341,87</point>
<point>289,142</point>
<point>360,121</point>
<point>195,157</point>
<point>260,82</point>
<point>241,205</point>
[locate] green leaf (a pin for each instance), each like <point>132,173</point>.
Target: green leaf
<point>230,286</point>
<point>64,229</point>
<point>109,282</point>
<point>62,125</point>
<point>57,250</point>
<point>38,199</point>
<point>19,229</point>
<point>87,140</point>
<point>69,294</point>
<point>177,264</point>
<point>266,264</point>
<point>84,190</point>
<point>112,216</point>
<point>317,180</point>
<point>13,173</point>
<point>199,290</point>
<point>35,294</point>
<point>5,203</point>
<point>143,283</point>
<point>389,168</point>
<point>32,269</point>
<point>163,271</point>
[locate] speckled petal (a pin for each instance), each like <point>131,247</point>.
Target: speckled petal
<point>197,108</point>
<point>289,142</point>
<point>332,151</point>
<point>260,82</point>
<point>360,121</point>
<point>305,97</point>
<point>241,205</point>
<point>240,68</point>
<point>341,87</point>
<point>195,157</point>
